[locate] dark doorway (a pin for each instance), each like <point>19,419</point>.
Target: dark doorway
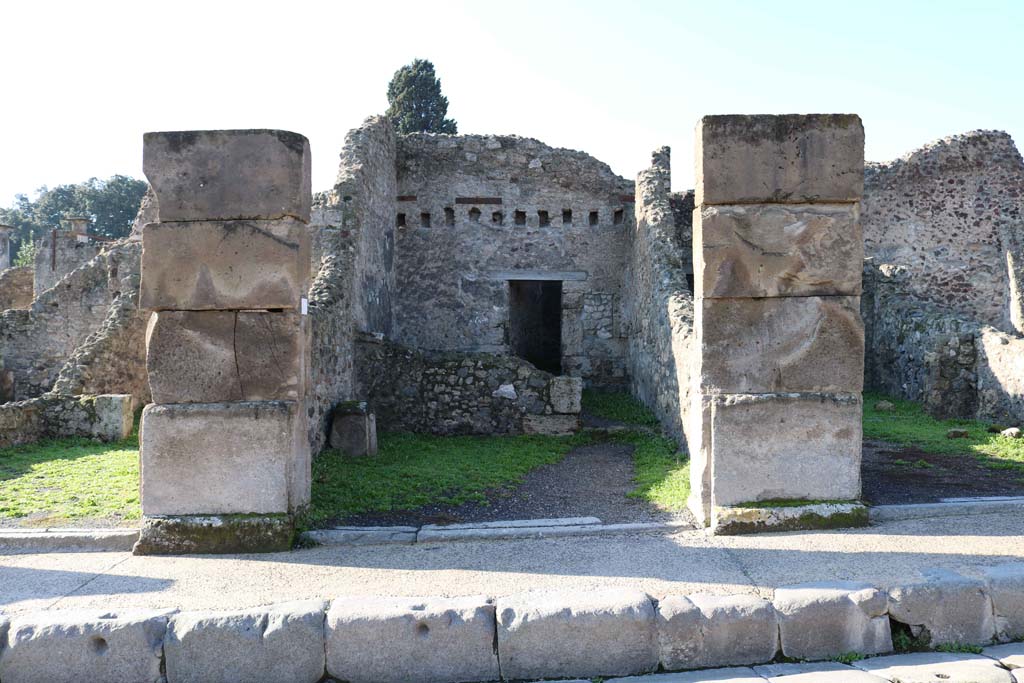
<point>535,322</point>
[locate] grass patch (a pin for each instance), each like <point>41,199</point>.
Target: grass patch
<point>618,406</point>
<point>60,481</point>
<point>908,425</point>
<point>660,471</point>
<point>848,658</point>
<point>413,470</point>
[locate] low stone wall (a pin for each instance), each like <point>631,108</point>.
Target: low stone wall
<point>462,393</point>
<point>15,288</point>
<point>107,418</point>
<point>611,632</point>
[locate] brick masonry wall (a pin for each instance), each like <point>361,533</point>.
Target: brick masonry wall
<point>15,288</point>
<point>657,307</point>
<point>474,211</point>
<point>457,393</point>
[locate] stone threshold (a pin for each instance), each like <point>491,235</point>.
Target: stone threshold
<point>609,633</point>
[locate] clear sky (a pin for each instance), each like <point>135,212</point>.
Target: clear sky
<point>84,80</point>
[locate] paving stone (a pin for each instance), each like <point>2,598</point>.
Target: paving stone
<point>409,640</point>
<point>936,667</point>
<point>1006,588</point>
<point>228,174</point>
<point>703,630</point>
<point>554,635</point>
<point>218,458</point>
<point>788,344</point>
<point>219,356</point>
<point>775,250</point>
<point>283,642</point>
<point>951,608</point>
<point>810,435</point>
<point>786,159</point>
<point>815,672</point>
<point>823,620</point>
<point>1010,655</point>
<point>224,265</point>
<point>731,675</point>
<point>74,646</point>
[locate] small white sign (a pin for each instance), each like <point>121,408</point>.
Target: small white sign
<point>304,303</point>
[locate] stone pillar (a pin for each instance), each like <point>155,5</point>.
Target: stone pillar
<point>224,448</point>
<point>777,257</point>
<point>5,246</point>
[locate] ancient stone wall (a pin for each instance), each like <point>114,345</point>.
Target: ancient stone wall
<point>952,213</point>
<point>15,288</point>
<point>108,418</point>
<point>657,301</point>
<point>58,253</point>
<point>462,393</point>
<point>475,212</point>
<point>352,232</point>
<point>35,343</point>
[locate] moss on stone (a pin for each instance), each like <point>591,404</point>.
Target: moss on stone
<point>215,534</point>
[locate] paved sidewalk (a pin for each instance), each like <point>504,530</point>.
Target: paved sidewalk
<point>687,562</point>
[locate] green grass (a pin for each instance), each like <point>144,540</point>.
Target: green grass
<point>618,406</point>
<point>908,425</point>
<point>661,472</point>
<point>57,482</point>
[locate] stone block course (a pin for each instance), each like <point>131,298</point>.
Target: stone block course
<point>219,356</point>
<point>823,620</point>
<point>409,640</point>
<point>779,159</point>
<point>701,630</point>
<point>280,643</point>
<point>771,250</point>
<point>792,344</point>
<point>218,458</point>
<point>1005,584</point>
<point>558,635</point>
<point>790,446</point>
<point>228,174</point>
<point>946,607</point>
<point>224,265</point>
<point>73,646</point>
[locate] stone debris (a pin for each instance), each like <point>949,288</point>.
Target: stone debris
<point>1011,433</point>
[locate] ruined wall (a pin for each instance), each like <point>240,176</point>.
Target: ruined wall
<point>35,343</point>
<point>462,393</point>
<point>15,288</point>
<point>657,302</point>
<point>58,253</point>
<point>474,212</point>
<point>1000,377</point>
<point>352,231</point>
<point>108,418</point>
<point>952,213</point>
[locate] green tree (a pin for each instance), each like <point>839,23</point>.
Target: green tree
<point>415,102</point>
<point>111,204</point>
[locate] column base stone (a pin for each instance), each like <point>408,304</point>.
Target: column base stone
<point>214,534</point>
<point>735,520</point>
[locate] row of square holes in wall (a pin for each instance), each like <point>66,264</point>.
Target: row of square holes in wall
<point>518,218</point>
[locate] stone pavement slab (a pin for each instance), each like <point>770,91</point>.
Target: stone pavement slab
<point>815,672</point>
<point>1010,655</point>
<point>936,667</point>
<point>730,675</point>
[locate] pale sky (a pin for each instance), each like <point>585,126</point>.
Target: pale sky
<point>84,80</point>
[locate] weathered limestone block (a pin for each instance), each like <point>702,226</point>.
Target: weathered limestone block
<point>218,458</point>
<point>928,667</point>
<point>551,425</point>
<point>949,607</point>
<point>228,174</point>
<point>74,646</point>
<point>219,356</point>
<point>406,640</point>
<point>557,635</point>
<point>224,265</point>
<point>703,630</point>
<point>565,394</point>
<point>822,620</point>
<point>793,344</point>
<point>279,643</point>
<point>1006,588</point>
<point>354,429</point>
<point>218,534</point>
<point>770,250</point>
<point>779,159</point>
<point>114,418</point>
<point>789,446</point>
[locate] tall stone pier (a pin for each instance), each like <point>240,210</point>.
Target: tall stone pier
<point>224,450</point>
<point>777,252</point>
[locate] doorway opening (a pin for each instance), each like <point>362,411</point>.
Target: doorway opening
<point>535,322</point>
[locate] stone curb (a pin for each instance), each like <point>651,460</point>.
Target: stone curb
<point>613,632</point>
<point>950,507</point>
<point>68,540</point>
